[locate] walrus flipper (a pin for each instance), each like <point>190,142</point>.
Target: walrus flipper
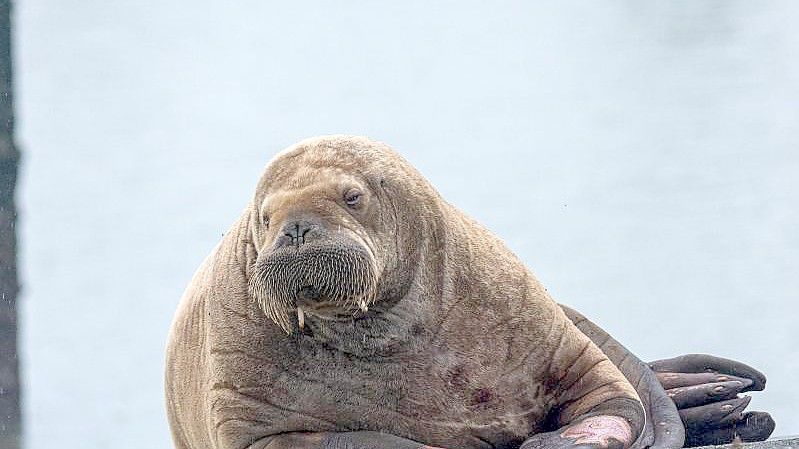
<point>663,428</point>
<point>705,390</point>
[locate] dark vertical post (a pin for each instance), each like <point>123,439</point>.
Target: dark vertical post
<point>10,417</point>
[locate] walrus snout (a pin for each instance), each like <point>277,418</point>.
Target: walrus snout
<point>297,232</point>
<point>334,270</point>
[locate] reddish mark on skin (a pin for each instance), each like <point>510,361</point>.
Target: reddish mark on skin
<point>482,395</point>
<point>599,430</point>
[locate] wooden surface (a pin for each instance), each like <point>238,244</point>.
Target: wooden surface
<point>776,443</point>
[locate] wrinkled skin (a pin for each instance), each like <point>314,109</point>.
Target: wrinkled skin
<point>697,392</point>
<point>691,381</point>
<point>352,307</point>
<point>704,390</point>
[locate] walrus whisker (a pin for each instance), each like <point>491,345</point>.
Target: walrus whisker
<point>343,274</point>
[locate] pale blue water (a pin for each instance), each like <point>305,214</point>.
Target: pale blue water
<point>641,157</point>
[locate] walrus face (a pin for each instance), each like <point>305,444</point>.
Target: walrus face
<point>318,232</point>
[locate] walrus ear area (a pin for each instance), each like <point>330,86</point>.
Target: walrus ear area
<point>259,222</point>
<point>264,217</point>
<point>260,218</point>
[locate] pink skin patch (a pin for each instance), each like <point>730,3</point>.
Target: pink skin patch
<point>599,430</point>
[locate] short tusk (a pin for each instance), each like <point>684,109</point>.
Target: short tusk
<point>301,318</point>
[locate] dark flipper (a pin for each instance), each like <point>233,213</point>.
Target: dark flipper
<point>704,363</point>
<point>694,396</point>
<point>664,428</point>
<point>752,426</point>
<point>705,389</point>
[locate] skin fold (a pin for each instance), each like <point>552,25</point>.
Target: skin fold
<point>690,400</point>
<point>350,306</point>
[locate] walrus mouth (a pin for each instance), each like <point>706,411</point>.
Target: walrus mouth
<point>316,276</point>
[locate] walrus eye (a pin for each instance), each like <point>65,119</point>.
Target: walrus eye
<point>353,197</point>
<point>265,221</point>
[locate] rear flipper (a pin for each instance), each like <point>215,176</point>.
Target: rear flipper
<point>701,394</point>
<point>705,390</point>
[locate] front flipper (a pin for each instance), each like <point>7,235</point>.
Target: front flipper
<point>606,427</point>
<point>591,404</point>
<point>663,428</point>
<point>337,440</point>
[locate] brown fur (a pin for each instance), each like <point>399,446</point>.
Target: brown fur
<point>459,345</point>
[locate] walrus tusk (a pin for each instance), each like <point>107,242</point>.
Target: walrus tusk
<point>301,317</point>
<point>363,306</point>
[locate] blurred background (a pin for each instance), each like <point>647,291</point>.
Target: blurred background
<point>641,157</point>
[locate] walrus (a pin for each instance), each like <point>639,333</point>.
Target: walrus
<point>351,306</point>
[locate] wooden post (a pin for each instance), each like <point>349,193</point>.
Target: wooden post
<point>10,417</point>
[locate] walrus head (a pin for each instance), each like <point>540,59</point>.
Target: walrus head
<point>326,232</point>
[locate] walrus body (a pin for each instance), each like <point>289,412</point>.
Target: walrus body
<point>351,306</point>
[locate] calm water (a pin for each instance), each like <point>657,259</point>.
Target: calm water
<point>641,157</point>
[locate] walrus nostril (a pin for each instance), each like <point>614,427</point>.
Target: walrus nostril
<point>297,231</point>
